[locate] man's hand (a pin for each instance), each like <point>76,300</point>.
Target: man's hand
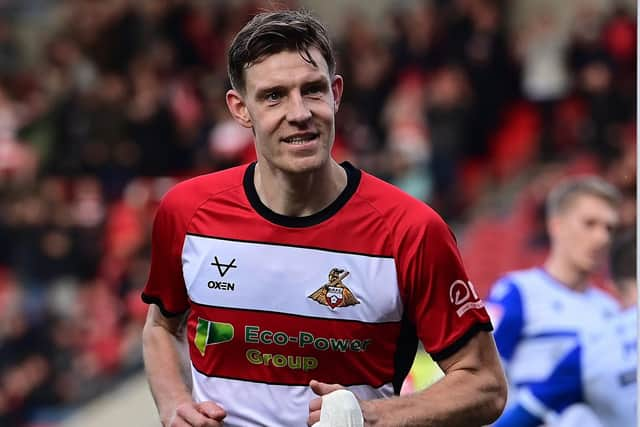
<point>316,404</point>
<point>192,414</point>
<point>336,406</point>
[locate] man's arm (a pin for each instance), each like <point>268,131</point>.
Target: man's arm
<point>473,392</point>
<point>162,339</point>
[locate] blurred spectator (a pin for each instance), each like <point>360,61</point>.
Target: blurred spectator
<point>545,75</point>
<point>543,49</point>
<point>365,59</point>
<point>619,39</point>
<point>9,49</point>
<point>450,123</point>
<point>416,45</point>
<point>487,59</point>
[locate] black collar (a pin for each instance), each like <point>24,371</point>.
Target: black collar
<point>353,179</point>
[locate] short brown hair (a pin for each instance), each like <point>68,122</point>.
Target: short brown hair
<point>273,32</point>
<point>564,193</point>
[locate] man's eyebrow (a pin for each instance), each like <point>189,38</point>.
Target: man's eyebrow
<point>319,81</point>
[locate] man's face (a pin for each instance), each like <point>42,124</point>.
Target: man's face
<point>291,106</point>
<point>582,233</point>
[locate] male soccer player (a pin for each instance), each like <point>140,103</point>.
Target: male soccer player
<point>599,370</point>
<point>539,312</point>
<point>297,276</point>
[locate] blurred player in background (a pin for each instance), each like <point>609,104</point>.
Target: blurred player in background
<point>285,273</point>
<point>539,312</point>
<point>596,380</point>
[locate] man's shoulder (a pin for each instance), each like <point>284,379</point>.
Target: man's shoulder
<point>529,287</point>
<point>628,319</point>
<point>192,192</point>
<point>212,182</point>
<point>394,204</point>
<point>603,298</point>
<point>537,284</point>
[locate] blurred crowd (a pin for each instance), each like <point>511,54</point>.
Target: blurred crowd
<point>117,100</point>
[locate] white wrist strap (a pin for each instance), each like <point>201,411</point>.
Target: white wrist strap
<point>340,409</point>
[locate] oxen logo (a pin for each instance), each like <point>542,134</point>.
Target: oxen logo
<point>334,293</point>
<point>463,295</point>
<point>223,268</point>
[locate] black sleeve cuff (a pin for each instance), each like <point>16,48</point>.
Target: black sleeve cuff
<point>460,342</point>
<point>157,301</point>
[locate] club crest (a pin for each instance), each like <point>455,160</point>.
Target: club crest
<point>334,293</point>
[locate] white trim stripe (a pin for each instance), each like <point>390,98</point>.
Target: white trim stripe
<point>204,236</point>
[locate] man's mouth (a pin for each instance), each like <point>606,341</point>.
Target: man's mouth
<point>300,139</point>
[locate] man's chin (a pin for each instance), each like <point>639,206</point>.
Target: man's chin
<point>590,266</point>
<point>304,165</point>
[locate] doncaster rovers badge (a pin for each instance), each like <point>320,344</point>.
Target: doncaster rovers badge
<point>334,293</point>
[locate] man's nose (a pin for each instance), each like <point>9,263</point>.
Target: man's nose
<point>298,111</point>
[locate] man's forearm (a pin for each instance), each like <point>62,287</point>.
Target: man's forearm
<point>165,369</point>
<point>461,398</point>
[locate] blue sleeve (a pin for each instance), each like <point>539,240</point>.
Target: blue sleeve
<point>517,416</point>
<point>505,306</point>
<point>564,386</point>
<point>557,392</point>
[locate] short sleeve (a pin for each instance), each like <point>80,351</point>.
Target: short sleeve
<point>544,400</point>
<point>505,308</point>
<point>440,299</point>
<point>165,286</point>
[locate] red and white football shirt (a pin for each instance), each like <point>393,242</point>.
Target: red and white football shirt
<point>341,296</point>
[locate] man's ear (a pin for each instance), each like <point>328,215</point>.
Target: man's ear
<point>554,225</point>
<point>238,108</point>
<point>336,87</point>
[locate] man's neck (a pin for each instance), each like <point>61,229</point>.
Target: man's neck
<point>626,304</point>
<point>566,274</point>
<point>299,194</point>
<point>629,295</point>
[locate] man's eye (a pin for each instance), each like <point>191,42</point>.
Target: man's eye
<point>272,96</point>
<point>314,90</point>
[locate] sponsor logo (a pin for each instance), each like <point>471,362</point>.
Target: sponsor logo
<point>223,268</point>
<point>463,295</point>
<point>209,333</point>
<point>306,340</point>
<point>306,363</point>
<point>334,293</point>
<point>223,286</point>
